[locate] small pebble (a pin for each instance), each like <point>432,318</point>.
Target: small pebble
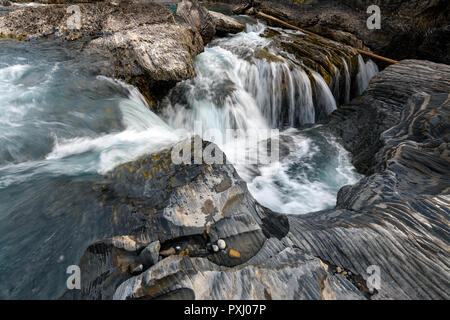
<point>215,248</point>
<point>338,269</point>
<point>234,254</point>
<point>221,244</point>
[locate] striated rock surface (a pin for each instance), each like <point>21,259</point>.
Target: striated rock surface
<point>396,219</point>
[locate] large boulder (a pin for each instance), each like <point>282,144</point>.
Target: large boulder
<point>405,24</point>
<point>198,17</point>
<point>143,42</point>
<point>225,24</point>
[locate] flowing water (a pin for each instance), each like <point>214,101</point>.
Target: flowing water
<point>235,89</point>
<point>62,126</point>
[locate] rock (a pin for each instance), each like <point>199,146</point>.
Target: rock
<point>221,244</point>
<point>225,24</point>
<point>435,46</point>
<point>395,218</point>
<point>215,248</point>
<point>5,3</point>
<point>288,275</point>
<point>198,17</point>
<point>136,269</point>
<point>142,42</point>
<point>150,255</point>
<point>241,9</point>
<point>361,123</point>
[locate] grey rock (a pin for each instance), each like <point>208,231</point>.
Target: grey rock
<point>198,17</point>
<point>397,219</point>
<point>149,256</point>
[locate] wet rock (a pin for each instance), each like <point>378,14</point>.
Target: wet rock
<point>405,25</point>
<point>136,268</point>
<point>335,62</point>
<point>225,24</point>
<point>288,275</point>
<point>198,17</point>
<point>361,123</point>
<point>150,255</point>
<point>396,219</point>
<point>241,9</point>
<point>144,43</point>
<point>177,204</point>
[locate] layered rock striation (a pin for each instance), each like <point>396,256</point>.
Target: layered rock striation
<point>394,220</point>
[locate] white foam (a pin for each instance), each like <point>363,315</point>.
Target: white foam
<point>367,70</point>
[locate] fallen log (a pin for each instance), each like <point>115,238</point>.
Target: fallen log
<point>290,26</point>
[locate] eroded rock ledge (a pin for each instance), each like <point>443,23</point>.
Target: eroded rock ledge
<point>411,29</point>
<point>397,219</point>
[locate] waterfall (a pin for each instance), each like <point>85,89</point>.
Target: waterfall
<point>366,71</point>
<point>325,102</point>
<point>243,82</point>
<point>347,82</point>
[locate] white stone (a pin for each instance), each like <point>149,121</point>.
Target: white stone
<point>215,248</point>
<point>221,244</point>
